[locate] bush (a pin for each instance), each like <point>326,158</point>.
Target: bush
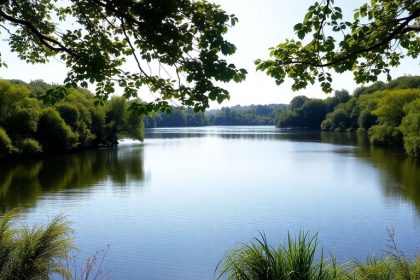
<point>6,147</point>
<point>29,146</point>
<point>326,124</point>
<point>53,133</point>
<point>70,114</point>
<point>366,119</point>
<point>384,135</point>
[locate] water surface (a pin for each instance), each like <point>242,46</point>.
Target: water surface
<point>173,206</point>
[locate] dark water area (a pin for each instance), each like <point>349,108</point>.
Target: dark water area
<point>173,206</point>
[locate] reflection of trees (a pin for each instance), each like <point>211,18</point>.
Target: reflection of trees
<point>402,174</point>
<point>21,183</point>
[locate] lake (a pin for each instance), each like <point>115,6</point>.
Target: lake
<point>173,206</point>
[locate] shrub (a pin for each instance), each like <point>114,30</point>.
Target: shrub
<point>327,123</point>
<point>69,113</point>
<point>366,119</point>
<point>385,135</point>
<point>53,133</point>
<point>29,146</point>
<point>6,147</point>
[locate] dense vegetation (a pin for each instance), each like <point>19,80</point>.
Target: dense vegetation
<point>31,124</point>
<point>237,115</point>
<point>305,112</point>
<point>300,260</point>
<point>389,112</point>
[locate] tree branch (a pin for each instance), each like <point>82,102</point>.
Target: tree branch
<point>44,40</point>
<point>401,29</point>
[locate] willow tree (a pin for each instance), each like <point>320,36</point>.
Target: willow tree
<point>381,33</point>
<point>177,46</point>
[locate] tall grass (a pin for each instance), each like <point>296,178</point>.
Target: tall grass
<point>293,261</point>
<point>34,253</point>
<point>43,252</point>
<point>299,259</point>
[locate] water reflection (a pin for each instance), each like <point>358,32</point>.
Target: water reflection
<point>23,183</point>
<point>401,174</point>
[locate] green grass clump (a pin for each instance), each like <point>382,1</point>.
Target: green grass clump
<point>294,261</point>
<point>34,253</point>
<point>297,260</point>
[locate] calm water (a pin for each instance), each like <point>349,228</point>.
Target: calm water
<point>171,207</point>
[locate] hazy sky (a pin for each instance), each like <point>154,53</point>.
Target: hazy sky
<point>262,24</point>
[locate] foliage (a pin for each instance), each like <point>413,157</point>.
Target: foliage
<point>34,125</point>
<point>385,135</point>
<point>29,146</point>
<point>296,261</point>
<point>53,133</point>
<point>34,253</point>
<point>6,147</point>
<point>389,109</point>
<point>19,113</point>
<point>403,82</point>
<point>293,261</point>
<point>381,34</point>
<point>304,112</point>
<point>178,47</point>
<point>384,113</point>
<point>119,120</point>
<point>410,128</point>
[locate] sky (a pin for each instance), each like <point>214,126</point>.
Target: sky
<point>262,24</point>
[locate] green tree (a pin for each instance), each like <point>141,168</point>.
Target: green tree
<point>381,34</point>
<point>410,128</point>
<point>121,122</point>
<point>19,113</point>
<point>183,39</point>
<point>53,133</point>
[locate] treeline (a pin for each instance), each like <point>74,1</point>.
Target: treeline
<point>30,123</point>
<point>237,115</point>
<point>308,113</point>
<point>388,112</point>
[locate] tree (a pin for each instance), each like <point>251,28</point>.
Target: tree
<point>381,34</point>
<point>177,46</point>
<point>410,128</point>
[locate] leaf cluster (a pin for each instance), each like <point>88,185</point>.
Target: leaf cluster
<point>382,33</point>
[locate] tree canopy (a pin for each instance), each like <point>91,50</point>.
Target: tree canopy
<point>29,125</point>
<point>177,46</point>
<point>381,34</point>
